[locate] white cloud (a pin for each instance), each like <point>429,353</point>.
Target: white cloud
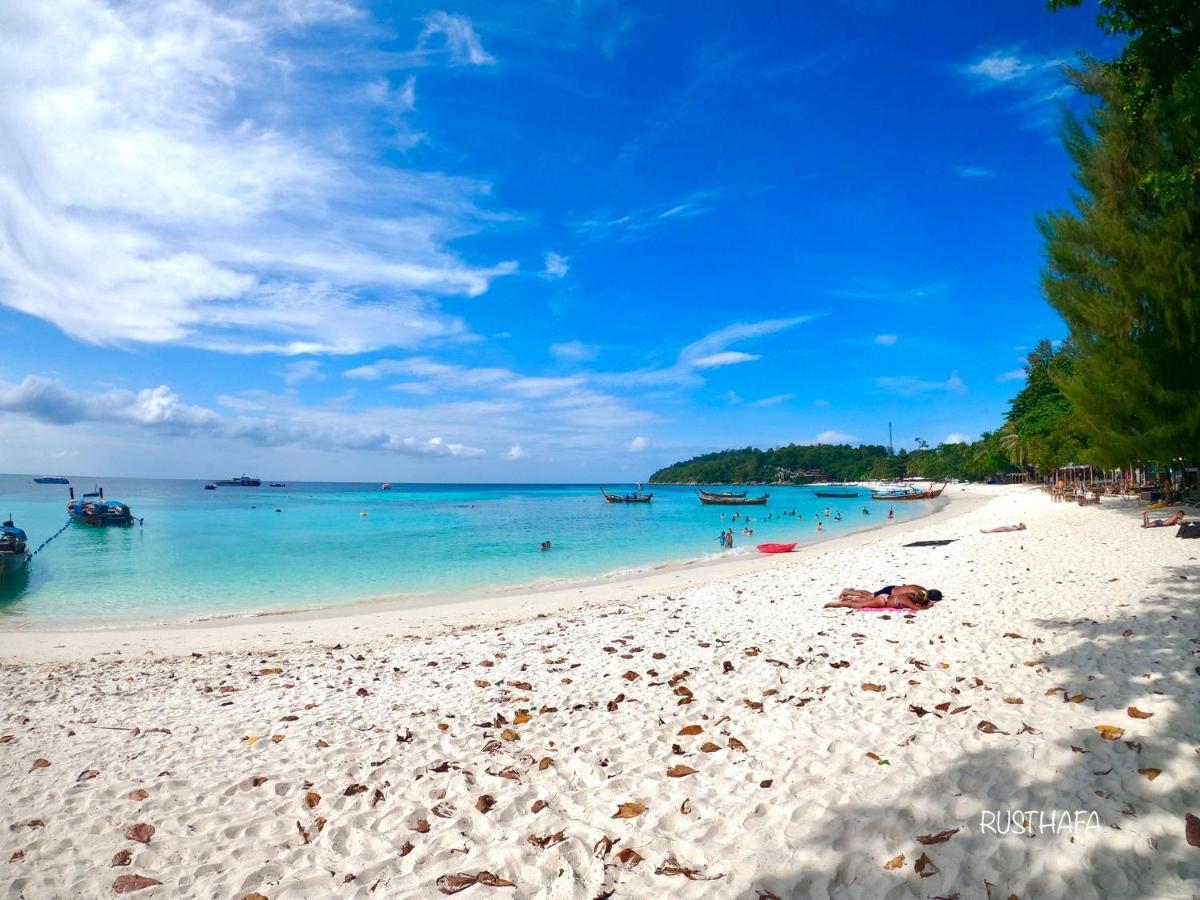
<point>462,43</point>
<point>885,340</point>
<point>638,444</point>
<point>957,437</point>
<point>832,436</point>
<point>631,224</point>
<point>277,421</point>
<point>773,400</point>
<point>909,385</point>
<point>974,172</point>
<point>556,266</point>
<point>1000,67</point>
<point>1011,375</point>
<point>302,370</point>
<point>574,351</point>
<point>162,183</point>
<point>515,452</point>
<point>707,353</point>
<point>724,358</point>
<point>821,404</point>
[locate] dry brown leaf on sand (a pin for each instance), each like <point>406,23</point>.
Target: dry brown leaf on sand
<point>255,895</point>
<point>629,810</point>
<point>709,747</point>
<point>868,686</point>
<point>485,803</point>
<point>1110,732</point>
<point>940,838</point>
<point>490,880</point>
<point>1150,774</point>
<point>354,789</point>
<point>311,799</point>
<point>139,794</point>
<point>1136,713</point>
<point>894,863</point>
<point>672,866</point>
<point>548,840</point>
<point>121,858</point>
<point>127,884</point>
<point>521,718</point>
<point>988,728</point>
<point>1192,830</point>
<point>1014,701</point>
<point>680,771</point>
<point>602,847</point>
<point>452,884</point>
<point>39,763</point>
<point>690,729</point>
<point>141,832</point>
<point>735,744</point>
<point>629,857</point>
<point>924,866</point>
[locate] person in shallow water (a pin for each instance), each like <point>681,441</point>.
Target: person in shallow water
<point>904,596</point>
<point>546,545</point>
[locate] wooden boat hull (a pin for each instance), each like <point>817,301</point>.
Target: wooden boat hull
<point>842,494</point>
<point>775,548</point>
<point>626,498</point>
<point>710,500</point>
<point>12,564</point>
<point>921,495</point>
<point>722,494</point>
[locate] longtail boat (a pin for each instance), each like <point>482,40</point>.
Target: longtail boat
<point>635,497</point>
<point>930,493</point>
<point>14,550</point>
<point>830,491</point>
<point>731,499</point>
<point>93,509</point>
<point>722,494</point>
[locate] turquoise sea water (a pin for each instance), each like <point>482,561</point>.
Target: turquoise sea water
<point>202,554</point>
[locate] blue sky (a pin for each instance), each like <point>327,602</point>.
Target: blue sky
<point>498,242</point>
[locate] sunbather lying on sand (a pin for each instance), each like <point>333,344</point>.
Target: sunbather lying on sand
<point>1148,522</point>
<point>902,596</point>
<point>1018,527</point>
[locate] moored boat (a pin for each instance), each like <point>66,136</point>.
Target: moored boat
<point>386,486</point>
<point>93,509</point>
<point>635,497</point>
<point>51,479</point>
<point>775,548</point>
<point>14,550</point>
<point>710,499</point>
<point>277,484</point>
<point>930,493</point>
<point>831,491</point>
<point>210,487</point>
<point>722,494</point>
<point>240,481</point>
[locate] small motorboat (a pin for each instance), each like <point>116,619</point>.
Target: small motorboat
<point>386,486</point>
<point>728,499</point>
<point>93,509</point>
<point>14,550</point>
<point>277,484</point>
<point>51,479</point>
<point>776,548</point>
<point>210,487</point>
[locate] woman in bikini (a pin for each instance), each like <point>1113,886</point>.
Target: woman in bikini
<point>899,596</point>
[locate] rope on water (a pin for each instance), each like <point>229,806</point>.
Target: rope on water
<point>52,537</point>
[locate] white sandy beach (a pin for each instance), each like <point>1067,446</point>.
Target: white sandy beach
<point>757,744</point>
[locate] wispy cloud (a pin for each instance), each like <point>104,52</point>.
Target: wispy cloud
<point>974,172</point>
<point>920,294</point>
<point>1038,81</point>
<point>773,400</point>
<point>302,370</point>
<point>634,223</point>
<point>710,352</point>
<point>639,443</point>
<point>143,204</point>
<point>1011,375</point>
<point>909,385</point>
<point>886,340</point>
<point>957,437</point>
<point>515,452</point>
<point>461,41</point>
<point>574,351</point>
